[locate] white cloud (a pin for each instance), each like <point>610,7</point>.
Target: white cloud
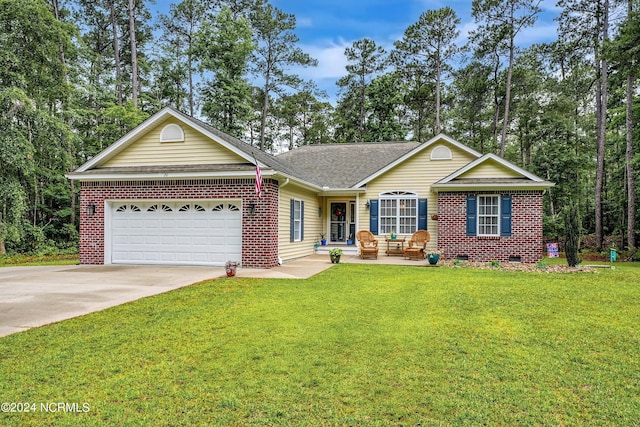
<point>540,33</point>
<point>331,59</point>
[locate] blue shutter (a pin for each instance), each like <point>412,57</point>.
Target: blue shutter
<point>301,220</point>
<point>472,217</point>
<point>291,222</point>
<point>505,215</point>
<point>422,214</point>
<point>373,216</point>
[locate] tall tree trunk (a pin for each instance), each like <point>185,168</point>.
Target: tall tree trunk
<point>631,188</point>
<point>134,54</point>
<point>363,97</point>
<point>507,96</point>
<point>602,127</point>
<point>190,73</point>
<point>265,110</point>
<point>71,166</point>
<point>438,77</point>
<point>496,100</point>
<point>116,50</point>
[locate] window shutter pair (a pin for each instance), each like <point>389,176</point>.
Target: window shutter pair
<point>505,215</point>
<point>292,231</point>
<point>374,223</point>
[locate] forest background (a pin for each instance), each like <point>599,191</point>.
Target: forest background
<point>76,75</point>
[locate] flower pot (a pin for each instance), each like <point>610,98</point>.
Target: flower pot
<point>231,269</point>
<point>433,258</point>
<point>323,242</point>
<point>335,259</point>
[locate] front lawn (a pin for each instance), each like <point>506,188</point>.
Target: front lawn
<point>356,345</point>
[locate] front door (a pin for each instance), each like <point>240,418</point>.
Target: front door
<point>338,223</point>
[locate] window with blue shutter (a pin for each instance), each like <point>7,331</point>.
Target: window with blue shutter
<point>505,215</point>
<point>471,215</point>
<point>373,216</point>
<point>422,214</point>
<point>296,220</point>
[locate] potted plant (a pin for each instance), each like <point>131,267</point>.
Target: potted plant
<point>433,256</point>
<point>393,236</point>
<point>323,241</point>
<point>231,267</point>
<point>335,254</point>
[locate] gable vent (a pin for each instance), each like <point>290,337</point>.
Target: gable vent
<point>172,133</point>
<point>441,153</point>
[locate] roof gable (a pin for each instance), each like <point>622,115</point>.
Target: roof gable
<point>142,146</point>
<point>438,139</point>
<point>155,148</point>
<point>490,171</point>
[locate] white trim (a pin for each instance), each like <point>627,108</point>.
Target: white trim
<point>498,215</point>
<point>400,195</point>
<point>133,176</point>
<point>463,186</point>
<point>418,149</point>
<point>297,237</point>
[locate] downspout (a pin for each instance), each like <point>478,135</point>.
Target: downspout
<point>285,183</point>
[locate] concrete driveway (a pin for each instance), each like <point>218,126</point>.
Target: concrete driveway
<point>36,296</point>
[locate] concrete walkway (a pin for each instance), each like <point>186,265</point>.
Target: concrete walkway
<point>306,267</point>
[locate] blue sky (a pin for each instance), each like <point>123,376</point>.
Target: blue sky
<point>327,27</point>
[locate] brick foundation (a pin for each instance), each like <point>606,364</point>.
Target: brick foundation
<point>259,232</point>
<point>524,244</point>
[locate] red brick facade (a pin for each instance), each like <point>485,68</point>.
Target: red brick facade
<point>259,232</point>
<point>524,244</point>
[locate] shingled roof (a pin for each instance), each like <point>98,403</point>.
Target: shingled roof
<point>342,165</point>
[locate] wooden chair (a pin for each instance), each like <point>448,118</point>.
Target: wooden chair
<point>368,244</point>
<point>417,245</point>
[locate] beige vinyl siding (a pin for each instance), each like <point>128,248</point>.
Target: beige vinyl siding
<point>195,149</point>
<point>415,175</point>
<point>490,169</point>
<point>312,222</point>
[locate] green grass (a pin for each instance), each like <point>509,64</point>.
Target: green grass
<point>38,260</point>
<point>356,345</point>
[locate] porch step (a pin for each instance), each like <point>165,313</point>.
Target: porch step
<point>346,249</point>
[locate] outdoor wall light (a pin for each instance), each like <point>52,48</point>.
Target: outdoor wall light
<point>252,209</point>
<point>367,205</point>
<point>91,210</point>
<point>320,211</point>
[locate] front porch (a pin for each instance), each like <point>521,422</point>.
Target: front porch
<point>347,250</point>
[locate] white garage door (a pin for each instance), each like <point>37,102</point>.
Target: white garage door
<point>168,232</point>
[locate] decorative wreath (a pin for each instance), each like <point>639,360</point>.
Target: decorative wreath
<point>338,212</point>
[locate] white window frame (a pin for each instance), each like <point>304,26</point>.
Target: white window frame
<point>297,220</point>
<point>398,212</point>
<point>488,220</point>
